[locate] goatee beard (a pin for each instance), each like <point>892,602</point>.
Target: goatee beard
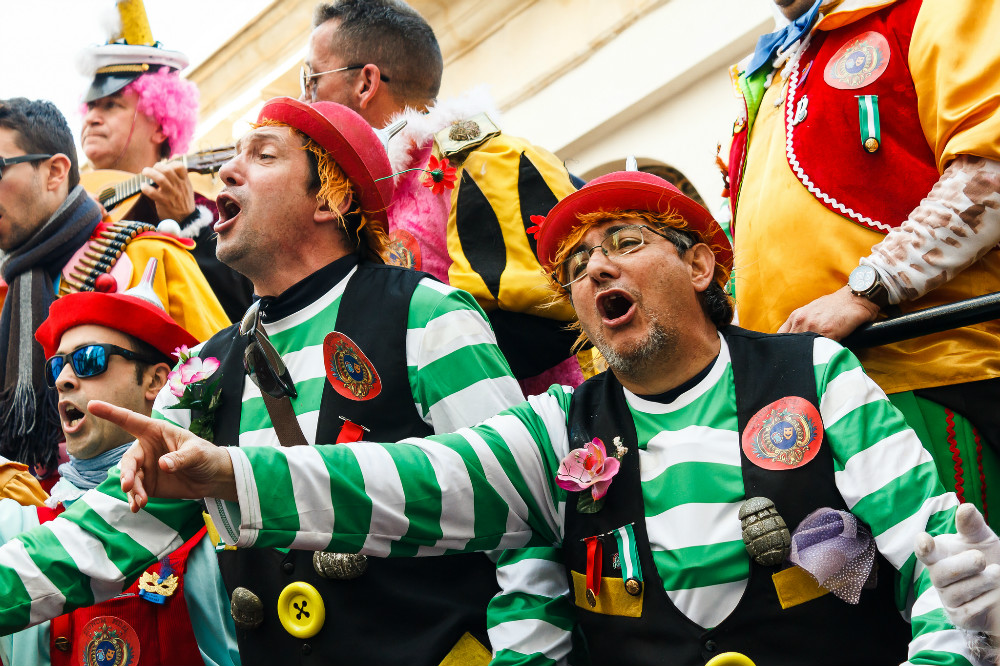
<point>633,362</point>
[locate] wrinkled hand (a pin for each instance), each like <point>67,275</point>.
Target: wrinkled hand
<point>965,569</point>
<point>167,461</point>
<point>835,315</point>
<point>173,193</point>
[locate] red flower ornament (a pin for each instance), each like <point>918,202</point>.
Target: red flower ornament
<point>440,175</point>
<point>537,227</point>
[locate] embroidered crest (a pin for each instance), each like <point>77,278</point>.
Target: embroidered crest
<point>403,250</point>
<point>858,62</point>
<point>110,641</point>
<point>783,435</point>
<point>349,371</point>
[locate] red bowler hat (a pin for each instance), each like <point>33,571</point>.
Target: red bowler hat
<point>351,142</point>
<point>629,190</point>
<point>120,312</point>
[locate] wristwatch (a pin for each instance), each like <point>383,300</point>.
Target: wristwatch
<point>866,282</point>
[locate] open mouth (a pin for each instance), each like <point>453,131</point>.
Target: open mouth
<point>615,305</point>
<point>228,207</point>
<point>72,416</point>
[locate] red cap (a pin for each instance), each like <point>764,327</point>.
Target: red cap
<point>629,190</point>
<point>120,312</point>
<point>351,142</point>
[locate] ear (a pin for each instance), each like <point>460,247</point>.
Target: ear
<point>701,260</point>
<point>367,85</point>
<point>58,171</point>
<point>158,137</point>
<point>154,379</point>
<point>325,213</point>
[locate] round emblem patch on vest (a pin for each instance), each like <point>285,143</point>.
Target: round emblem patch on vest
<point>349,371</point>
<point>860,61</point>
<point>783,435</point>
<point>110,641</point>
<point>403,250</point>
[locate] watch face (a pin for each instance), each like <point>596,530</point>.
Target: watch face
<point>862,279</point>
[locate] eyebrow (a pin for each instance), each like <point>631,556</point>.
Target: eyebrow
<point>258,136</point>
<point>610,230</point>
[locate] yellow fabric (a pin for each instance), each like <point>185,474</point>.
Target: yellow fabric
<point>795,586</point>
<point>17,483</point>
<point>790,249</point>
<point>467,652</point>
<point>613,599</point>
<point>180,285</point>
<point>523,285</point>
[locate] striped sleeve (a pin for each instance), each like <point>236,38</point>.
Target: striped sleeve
<point>458,376</point>
<point>889,481</point>
<point>531,621</point>
<point>489,487</point>
<point>88,554</point>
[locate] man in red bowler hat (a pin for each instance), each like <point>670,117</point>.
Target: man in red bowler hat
<point>337,348</point>
<point>117,347</point>
<point>717,490</point>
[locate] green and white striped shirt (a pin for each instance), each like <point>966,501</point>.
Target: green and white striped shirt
<point>492,486</point>
<point>457,377</point>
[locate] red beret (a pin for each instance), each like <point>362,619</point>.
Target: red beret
<point>351,142</point>
<point>629,190</point>
<point>128,314</point>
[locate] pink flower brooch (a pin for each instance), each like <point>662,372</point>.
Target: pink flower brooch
<point>189,382</point>
<point>590,467</point>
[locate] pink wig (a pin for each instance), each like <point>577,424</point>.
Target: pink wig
<point>172,102</point>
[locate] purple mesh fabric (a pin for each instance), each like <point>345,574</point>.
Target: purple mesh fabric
<point>836,550</point>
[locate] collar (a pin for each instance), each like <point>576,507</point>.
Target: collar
<point>308,290</point>
<point>668,397</point>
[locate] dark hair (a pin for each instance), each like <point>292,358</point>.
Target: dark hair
<point>145,350</point>
<point>714,300</point>
<point>390,34</point>
<point>40,128</point>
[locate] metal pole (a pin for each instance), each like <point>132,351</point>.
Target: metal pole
<point>924,322</point>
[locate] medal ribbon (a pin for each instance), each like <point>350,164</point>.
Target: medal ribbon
<point>350,432</point>
<point>871,128</point>
<point>628,553</point>
<point>595,553</point>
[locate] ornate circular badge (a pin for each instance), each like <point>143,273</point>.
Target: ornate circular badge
<point>783,435</point>
<point>349,371</point>
<point>110,641</point>
<point>860,61</point>
<point>403,250</point>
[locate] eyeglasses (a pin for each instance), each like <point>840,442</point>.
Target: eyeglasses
<point>11,161</point>
<point>616,244</point>
<point>307,79</point>
<point>261,360</point>
<point>88,361</point>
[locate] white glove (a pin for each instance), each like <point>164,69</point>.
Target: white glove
<point>965,569</point>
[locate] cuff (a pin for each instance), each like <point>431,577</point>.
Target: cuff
<point>228,516</point>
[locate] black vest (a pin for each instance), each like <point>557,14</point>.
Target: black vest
<point>824,631</point>
<point>406,612</point>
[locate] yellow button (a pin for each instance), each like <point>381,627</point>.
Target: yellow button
<point>730,659</point>
<point>301,610</point>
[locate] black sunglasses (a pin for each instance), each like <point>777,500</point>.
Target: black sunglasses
<point>88,361</point>
<point>10,161</point>
<point>261,360</point>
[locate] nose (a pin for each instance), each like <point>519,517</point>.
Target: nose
<point>67,379</point>
<point>230,172</point>
<point>600,266</point>
<point>92,116</point>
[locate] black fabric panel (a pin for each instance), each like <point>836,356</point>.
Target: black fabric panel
<point>373,312</point>
<point>535,195</point>
<point>766,368</point>
<point>480,233</point>
<point>531,344</point>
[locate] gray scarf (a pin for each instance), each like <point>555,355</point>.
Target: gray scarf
<point>29,421</point>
